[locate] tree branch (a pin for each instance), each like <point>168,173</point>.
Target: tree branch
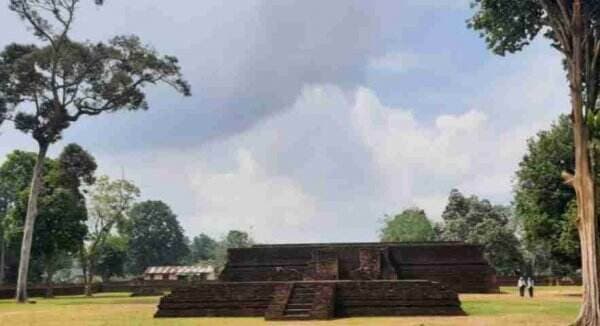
<point>567,177</point>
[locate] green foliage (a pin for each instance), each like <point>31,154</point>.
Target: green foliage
<point>15,176</point>
<point>202,248</point>
<point>108,203</point>
<point>112,256</point>
<point>237,239</point>
<point>233,239</point>
<point>507,25</point>
<point>95,78</point>
<point>75,166</point>
<point>476,221</point>
<point>155,236</point>
<point>63,79</point>
<point>410,225</point>
<point>544,204</point>
<point>60,227</point>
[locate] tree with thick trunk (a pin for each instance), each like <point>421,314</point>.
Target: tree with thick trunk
<point>108,204</point>
<point>47,88</point>
<point>572,26</point>
<point>32,206</point>
<point>2,261</point>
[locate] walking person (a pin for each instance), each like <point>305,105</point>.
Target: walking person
<point>521,285</point>
<point>530,286</point>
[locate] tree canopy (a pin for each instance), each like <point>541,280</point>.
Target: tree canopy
<point>155,236</point>
<point>572,28</point>
<point>108,204</point>
<point>476,221</point>
<point>410,225</point>
<point>202,248</point>
<point>61,226</point>
<point>543,203</point>
<point>48,86</point>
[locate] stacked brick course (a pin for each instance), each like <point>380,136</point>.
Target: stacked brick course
<point>458,265</point>
<point>331,299</point>
<point>323,281</point>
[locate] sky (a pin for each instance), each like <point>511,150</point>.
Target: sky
<point>311,120</point>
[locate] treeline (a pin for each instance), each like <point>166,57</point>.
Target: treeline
<point>468,219</point>
<point>536,234</point>
<point>93,225</point>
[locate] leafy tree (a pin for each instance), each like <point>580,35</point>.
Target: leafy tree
<point>237,239</point>
<point>61,227</point>
<point>500,245</point>
<point>544,204</point>
<point>233,239</point>
<point>202,248</point>
<point>112,256</point>
<point>410,225</point>
<point>50,86</point>
<point>108,203</point>
<point>155,236</point>
<point>571,26</point>
<point>479,222</point>
<point>15,173</point>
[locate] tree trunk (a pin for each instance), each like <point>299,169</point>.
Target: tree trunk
<point>2,260</point>
<point>49,283</point>
<point>583,183</point>
<point>89,281</point>
<point>32,210</point>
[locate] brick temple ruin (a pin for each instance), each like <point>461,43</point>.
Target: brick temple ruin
<point>324,281</point>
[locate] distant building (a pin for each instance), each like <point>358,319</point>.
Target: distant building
<point>175,273</point>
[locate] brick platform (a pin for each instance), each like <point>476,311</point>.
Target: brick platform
<point>323,281</point>
<point>458,265</point>
<point>311,300</point>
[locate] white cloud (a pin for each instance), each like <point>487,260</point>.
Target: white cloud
<point>340,161</point>
<point>248,198</point>
<point>399,143</point>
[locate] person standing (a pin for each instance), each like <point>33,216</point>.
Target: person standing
<point>530,285</point>
<point>521,285</point>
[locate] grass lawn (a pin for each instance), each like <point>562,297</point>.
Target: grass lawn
<point>551,306</point>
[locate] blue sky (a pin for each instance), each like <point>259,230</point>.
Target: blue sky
<point>310,120</point>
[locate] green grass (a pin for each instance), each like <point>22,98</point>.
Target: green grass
<point>551,306</point>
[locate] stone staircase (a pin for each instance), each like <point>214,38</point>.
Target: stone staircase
<point>303,301</point>
<point>300,301</point>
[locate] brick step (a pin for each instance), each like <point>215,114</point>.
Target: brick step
<point>304,291</point>
<point>289,311</point>
<point>296,317</point>
<point>299,305</point>
<point>300,301</point>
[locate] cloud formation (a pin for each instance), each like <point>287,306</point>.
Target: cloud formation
<point>312,119</point>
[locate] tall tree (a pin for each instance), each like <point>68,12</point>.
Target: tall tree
<point>544,203</point>
<point>233,239</point>
<point>51,86</point>
<point>155,236</point>
<point>237,239</point>
<point>202,248</point>
<point>61,227</point>
<point>410,225</point>
<point>108,203</point>
<point>112,256</point>
<point>572,27</point>
<point>15,175</point>
<point>476,221</point>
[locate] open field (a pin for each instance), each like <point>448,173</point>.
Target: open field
<point>552,306</point>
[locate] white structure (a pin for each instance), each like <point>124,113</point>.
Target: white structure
<point>174,273</point>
